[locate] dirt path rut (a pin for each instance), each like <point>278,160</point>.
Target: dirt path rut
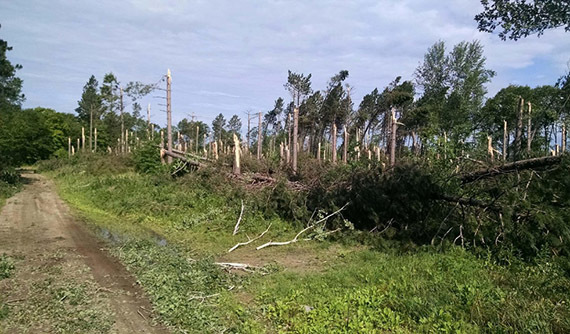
<point>36,222</point>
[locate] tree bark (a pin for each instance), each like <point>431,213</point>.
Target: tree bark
<point>333,143</point>
<point>519,130</point>
<point>295,133</point>
<point>510,167</point>
<point>393,139</point>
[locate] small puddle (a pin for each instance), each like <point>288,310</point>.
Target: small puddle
<point>116,238</point>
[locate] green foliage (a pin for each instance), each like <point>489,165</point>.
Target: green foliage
<point>10,85</point>
<point>147,158</point>
<point>426,292</point>
<point>519,18</point>
<point>184,292</point>
<point>7,266</point>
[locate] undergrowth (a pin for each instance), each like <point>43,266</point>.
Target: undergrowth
<point>171,230</point>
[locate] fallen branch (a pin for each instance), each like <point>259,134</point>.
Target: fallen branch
<point>236,228</point>
<point>469,202</point>
<point>183,158</point>
<point>282,243</point>
<point>510,167</point>
<point>240,266</point>
<point>249,241</point>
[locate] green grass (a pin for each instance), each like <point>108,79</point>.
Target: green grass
<point>336,288</point>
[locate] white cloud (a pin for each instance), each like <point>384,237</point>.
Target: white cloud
<point>229,56</point>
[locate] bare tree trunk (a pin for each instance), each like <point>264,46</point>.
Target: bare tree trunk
<point>289,133</point>
<point>162,146</point>
<point>148,129</point>
<point>518,132</point>
<point>490,148</point>
<point>69,147</point>
<point>529,129</point>
<point>237,153</point>
<point>345,145</point>
<point>295,133</point>
<point>121,107</point>
<point>248,130</point>
<point>169,114</point>
<point>319,151</point>
<point>83,139</point>
<point>393,139</point>
<point>95,139</point>
<point>563,137</point>
<point>259,137</point>
<point>90,129</point>
<point>505,140</point>
<point>333,142</point>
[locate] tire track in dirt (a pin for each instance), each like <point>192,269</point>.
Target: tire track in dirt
<point>36,221</point>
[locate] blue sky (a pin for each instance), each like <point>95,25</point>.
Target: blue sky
<point>232,56</point>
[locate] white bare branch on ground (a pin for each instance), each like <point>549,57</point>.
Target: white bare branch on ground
<point>282,243</point>
<point>236,228</point>
<point>249,240</point>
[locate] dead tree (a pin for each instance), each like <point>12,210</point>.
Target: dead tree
<point>295,139</point>
<point>345,145</point>
<point>168,114</point>
<point>519,130</point>
<point>333,143</point>
<point>529,129</point>
<point>259,137</point>
<point>509,168</point>
<point>393,138</point>
<point>237,153</point>
<point>505,140</point>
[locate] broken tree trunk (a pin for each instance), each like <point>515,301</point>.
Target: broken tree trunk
<point>259,137</point>
<point>505,140</point>
<point>529,129</point>
<point>333,143</point>
<point>345,145</point>
<point>181,157</point>
<point>393,139</point>
<point>510,167</point>
<point>519,130</point>
<point>237,153</point>
<point>295,139</point>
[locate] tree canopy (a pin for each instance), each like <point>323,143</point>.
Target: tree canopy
<point>521,18</point>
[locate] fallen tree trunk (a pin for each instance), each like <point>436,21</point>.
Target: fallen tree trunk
<point>469,202</point>
<point>181,157</point>
<point>509,168</point>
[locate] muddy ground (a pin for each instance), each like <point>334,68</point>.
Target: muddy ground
<point>64,280</point>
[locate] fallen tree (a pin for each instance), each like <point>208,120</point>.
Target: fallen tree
<point>194,163</point>
<point>509,168</point>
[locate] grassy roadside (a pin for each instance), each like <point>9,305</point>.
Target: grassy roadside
<point>169,233</point>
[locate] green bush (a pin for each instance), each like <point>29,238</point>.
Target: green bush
<point>7,266</point>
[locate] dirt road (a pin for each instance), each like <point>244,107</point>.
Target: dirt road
<point>64,279</point>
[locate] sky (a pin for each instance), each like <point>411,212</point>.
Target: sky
<point>231,57</point>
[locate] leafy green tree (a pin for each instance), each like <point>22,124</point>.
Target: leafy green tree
<point>10,85</point>
<point>521,18</point>
<point>299,86</point>
<point>271,118</point>
<point>453,87</point>
<point>90,106</point>
<point>234,125</point>
<point>547,102</point>
<point>218,126</point>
